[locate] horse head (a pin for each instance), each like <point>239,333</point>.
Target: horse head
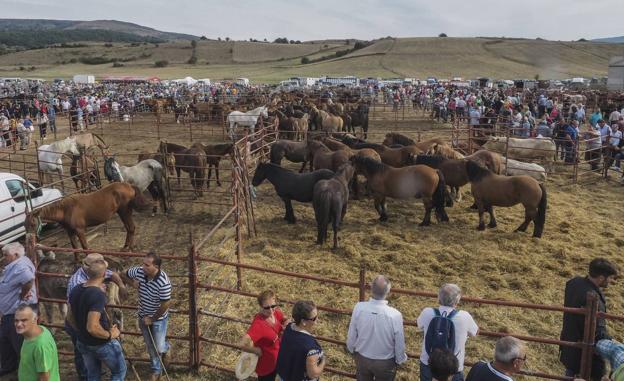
<point>260,174</point>
<point>170,163</point>
<point>112,170</point>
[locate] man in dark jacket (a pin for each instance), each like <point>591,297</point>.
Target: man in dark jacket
<point>601,273</point>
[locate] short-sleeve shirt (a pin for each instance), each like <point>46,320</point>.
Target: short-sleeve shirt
<point>15,275</point>
<point>151,292</point>
<point>464,326</point>
<point>294,351</point>
<point>39,355</point>
<point>266,337</point>
<point>483,371</point>
<point>83,300</point>
<point>80,277</point>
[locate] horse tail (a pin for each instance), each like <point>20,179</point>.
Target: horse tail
<point>440,195</point>
<point>322,206</point>
<point>138,201</point>
<point>540,219</point>
<point>159,176</point>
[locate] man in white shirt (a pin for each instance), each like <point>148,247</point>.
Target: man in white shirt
<point>376,336</point>
<point>614,117</point>
<point>464,326</point>
<point>605,131</point>
<point>614,145</point>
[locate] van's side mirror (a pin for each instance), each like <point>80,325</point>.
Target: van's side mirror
<point>37,193</point>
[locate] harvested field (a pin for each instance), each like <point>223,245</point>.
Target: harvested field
<point>582,223</point>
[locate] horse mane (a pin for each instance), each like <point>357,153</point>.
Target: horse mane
<point>400,139</point>
<point>371,165</point>
<point>175,146</point>
<point>54,207</point>
<point>476,172</point>
<point>429,159</point>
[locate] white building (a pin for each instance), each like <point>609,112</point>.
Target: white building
<point>615,82</point>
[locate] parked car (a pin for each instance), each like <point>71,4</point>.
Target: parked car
<point>16,194</point>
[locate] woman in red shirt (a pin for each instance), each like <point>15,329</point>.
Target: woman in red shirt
<point>264,335</point>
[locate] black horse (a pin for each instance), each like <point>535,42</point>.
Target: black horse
<point>290,185</point>
<point>330,202</point>
<point>359,118</point>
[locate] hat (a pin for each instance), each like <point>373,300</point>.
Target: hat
<point>246,365</point>
<point>93,259</point>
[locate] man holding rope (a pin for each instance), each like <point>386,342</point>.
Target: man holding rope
<point>154,299</point>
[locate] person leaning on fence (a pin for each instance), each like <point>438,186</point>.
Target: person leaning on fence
<point>443,364</point>
<point>376,335</point>
<point>77,279</point>
<point>23,133</point>
<point>17,287</point>
<point>300,357</point>
<point>97,335</point>
<point>264,335</point>
<point>153,312</point>
<point>601,273</point>
<point>445,327</point>
<point>509,358</point>
<point>38,356</point>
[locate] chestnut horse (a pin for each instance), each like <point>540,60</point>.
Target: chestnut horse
<point>77,212</point>
<point>214,154</point>
<point>191,160</point>
<point>489,190</point>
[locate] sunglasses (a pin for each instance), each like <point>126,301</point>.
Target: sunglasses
<point>271,306</point>
<point>311,319</point>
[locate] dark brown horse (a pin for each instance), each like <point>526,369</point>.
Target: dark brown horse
<point>323,157</point>
<point>214,154</point>
<point>330,202</point>
<point>418,181</point>
<point>297,152</point>
<point>191,160</point>
<point>489,190</point>
<point>394,157</point>
<point>77,212</point>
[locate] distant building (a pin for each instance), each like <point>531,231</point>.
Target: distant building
<point>615,82</point>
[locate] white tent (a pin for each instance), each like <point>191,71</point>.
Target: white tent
<point>189,81</point>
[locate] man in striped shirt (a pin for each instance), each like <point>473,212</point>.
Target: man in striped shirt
<point>154,300</point>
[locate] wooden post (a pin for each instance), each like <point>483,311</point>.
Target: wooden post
<point>589,334</point>
<point>362,283</point>
<point>193,332</point>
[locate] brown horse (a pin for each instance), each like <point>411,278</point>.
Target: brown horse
<point>169,161</point>
<point>454,170</point>
<point>77,212</point>
<point>488,159</point>
<point>418,181</point>
<point>394,157</point>
<point>322,157</point>
<point>214,154</point>
<point>489,190</point>
<point>191,160</point>
<point>297,152</point>
<point>394,138</point>
<point>330,202</point>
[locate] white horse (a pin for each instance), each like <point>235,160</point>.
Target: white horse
<point>245,119</point>
<point>147,174</point>
<point>51,157</point>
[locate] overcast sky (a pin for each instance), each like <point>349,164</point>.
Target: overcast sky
<point>363,19</point>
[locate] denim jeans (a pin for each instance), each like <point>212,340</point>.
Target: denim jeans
<point>159,333</point>
<point>110,354</point>
<point>425,374</point>
<point>78,361</point>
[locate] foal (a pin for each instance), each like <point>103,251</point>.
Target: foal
<point>330,202</point>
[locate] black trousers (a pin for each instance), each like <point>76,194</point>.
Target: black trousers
<point>10,345</point>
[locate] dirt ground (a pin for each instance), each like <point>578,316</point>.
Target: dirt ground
<point>582,224</point>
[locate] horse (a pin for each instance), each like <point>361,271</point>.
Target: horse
<point>329,200</point>
<point>359,118</point>
<point>529,148</point>
<point>180,111</point>
<point>290,185</point>
<point>147,174</point>
<point>297,152</point>
<point>301,127</point>
<point>50,157</point>
<point>169,161</point>
<point>77,212</point>
<point>77,175</point>
<point>490,189</point>
<point>394,138</point>
<point>192,160</point>
<point>285,125</point>
<point>488,159</point>
<point>394,157</point>
<point>454,170</point>
<point>322,157</point>
<point>417,181</point>
<point>214,154</point>
<point>245,119</point>
<point>330,123</point>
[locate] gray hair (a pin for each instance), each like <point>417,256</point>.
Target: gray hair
<point>449,295</point>
<point>15,248</point>
<point>508,349</point>
<point>380,287</point>
<point>26,307</point>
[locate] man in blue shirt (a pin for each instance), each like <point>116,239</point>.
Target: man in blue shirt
<point>16,287</point>
<point>570,137</point>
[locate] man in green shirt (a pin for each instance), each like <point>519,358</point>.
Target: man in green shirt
<point>39,357</point>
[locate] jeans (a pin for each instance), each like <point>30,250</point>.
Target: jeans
<point>425,374</point>
<point>10,345</point>
<point>81,369</point>
<point>618,157</point>
<point>159,333</point>
<point>110,354</point>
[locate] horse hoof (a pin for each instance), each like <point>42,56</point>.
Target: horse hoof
<point>424,223</point>
<point>491,226</point>
<point>481,227</point>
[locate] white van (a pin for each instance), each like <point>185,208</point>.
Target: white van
<point>15,196</point>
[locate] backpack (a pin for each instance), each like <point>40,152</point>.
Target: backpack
<point>440,332</point>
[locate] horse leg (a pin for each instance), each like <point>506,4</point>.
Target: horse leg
<point>178,169</point>
<point>379,208</point>
<point>355,186</point>
<point>80,232</point>
<point>428,203</point>
<point>528,217</point>
<point>154,193</point>
<point>290,214</point>
<point>458,194</point>
<point>481,209</point>
<point>126,217</point>
<point>217,173</point>
<point>492,223</point>
<point>72,239</point>
<point>209,176</point>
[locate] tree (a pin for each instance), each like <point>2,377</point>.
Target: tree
<point>203,38</point>
<point>305,60</point>
<point>265,40</point>
<point>227,39</point>
<point>193,44</point>
<point>218,38</point>
<point>161,63</point>
<point>442,35</point>
<point>192,60</point>
<point>536,77</point>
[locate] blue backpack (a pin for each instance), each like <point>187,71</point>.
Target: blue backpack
<point>441,332</point>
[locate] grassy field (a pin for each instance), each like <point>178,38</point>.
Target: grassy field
<point>262,62</point>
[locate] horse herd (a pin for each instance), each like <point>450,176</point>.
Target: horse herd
<point>398,168</point>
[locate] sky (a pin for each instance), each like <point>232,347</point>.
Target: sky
<point>361,19</point>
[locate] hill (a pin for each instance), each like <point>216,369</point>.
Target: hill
<point>611,40</point>
<point>270,62</point>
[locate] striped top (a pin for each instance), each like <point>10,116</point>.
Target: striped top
<point>80,277</point>
<point>151,292</point>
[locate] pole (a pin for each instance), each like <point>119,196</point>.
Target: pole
<point>362,283</point>
<point>194,344</point>
<point>589,333</point>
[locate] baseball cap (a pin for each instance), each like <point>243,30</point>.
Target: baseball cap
<point>94,259</point>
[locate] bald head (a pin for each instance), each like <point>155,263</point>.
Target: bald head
<point>380,287</point>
